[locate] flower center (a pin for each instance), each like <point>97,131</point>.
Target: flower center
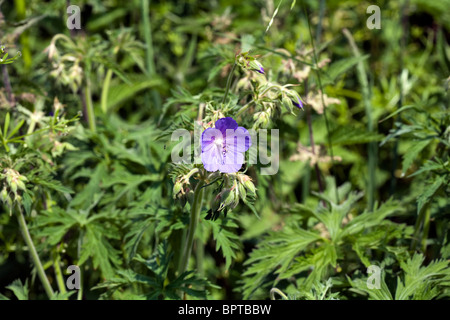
<point>218,142</point>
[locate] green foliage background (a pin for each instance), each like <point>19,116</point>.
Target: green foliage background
<point>86,118</point>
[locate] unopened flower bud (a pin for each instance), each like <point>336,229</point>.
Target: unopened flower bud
<point>176,189</point>
<point>13,186</point>
<point>21,185</point>
<point>242,191</point>
<point>287,103</point>
<point>4,195</point>
<point>250,186</point>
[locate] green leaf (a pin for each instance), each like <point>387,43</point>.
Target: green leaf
<point>347,135</point>
<point>6,126</point>
<point>226,240</point>
<point>62,296</point>
<point>411,153</point>
<point>19,125</point>
<point>19,289</point>
<point>429,192</point>
<point>340,67</point>
<point>419,281</point>
<point>123,92</point>
<point>52,184</point>
<point>97,247</point>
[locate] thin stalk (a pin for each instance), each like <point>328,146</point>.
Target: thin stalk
<point>79,246</point>
<point>149,53</point>
<point>24,37</point>
<point>34,255</point>
<point>305,185</point>
<point>319,25</point>
<point>311,141</point>
<point>313,146</point>
<point>362,77</point>
<point>330,145</point>
<point>105,90</point>
<point>230,76</point>
<point>200,252</point>
<point>426,228</point>
<point>404,22</point>
<point>195,213</point>
<point>58,273</point>
<point>422,224</point>
<point>89,106</point>
<point>243,108</point>
<point>278,291</point>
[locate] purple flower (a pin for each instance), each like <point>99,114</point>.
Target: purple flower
<point>223,147</point>
<point>298,104</point>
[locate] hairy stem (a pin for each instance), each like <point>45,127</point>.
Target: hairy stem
<point>195,213</point>
<point>34,255</point>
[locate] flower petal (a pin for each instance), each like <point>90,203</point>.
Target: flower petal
<point>232,162</point>
<point>238,141</point>
<point>209,136</point>
<point>226,123</point>
<point>212,158</point>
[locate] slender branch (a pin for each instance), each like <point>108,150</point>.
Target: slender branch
<point>195,213</point>
<point>330,145</point>
<point>230,76</point>
<point>89,105</point>
<point>34,255</point>
<point>58,273</point>
<point>362,76</point>
<point>105,90</point>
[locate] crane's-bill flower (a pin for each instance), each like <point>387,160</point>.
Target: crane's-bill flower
<point>223,147</point>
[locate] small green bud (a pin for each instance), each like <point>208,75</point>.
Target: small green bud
<point>4,195</point>
<point>176,189</point>
<point>250,186</point>
<point>227,198</point>
<point>242,191</point>
<point>13,186</point>
<point>21,185</point>
<point>287,103</point>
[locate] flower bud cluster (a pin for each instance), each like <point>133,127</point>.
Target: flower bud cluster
<point>13,183</point>
<point>236,186</point>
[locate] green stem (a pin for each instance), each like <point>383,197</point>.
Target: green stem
<point>200,251</point>
<point>230,76</point>
<point>24,37</point>
<point>330,145</point>
<point>362,77</point>
<point>58,273</point>
<point>89,106</point>
<point>79,247</point>
<point>243,108</point>
<point>426,228</point>
<point>195,213</point>
<point>105,90</point>
<point>34,255</point>
<point>278,291</point>
<point>148,37</point>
